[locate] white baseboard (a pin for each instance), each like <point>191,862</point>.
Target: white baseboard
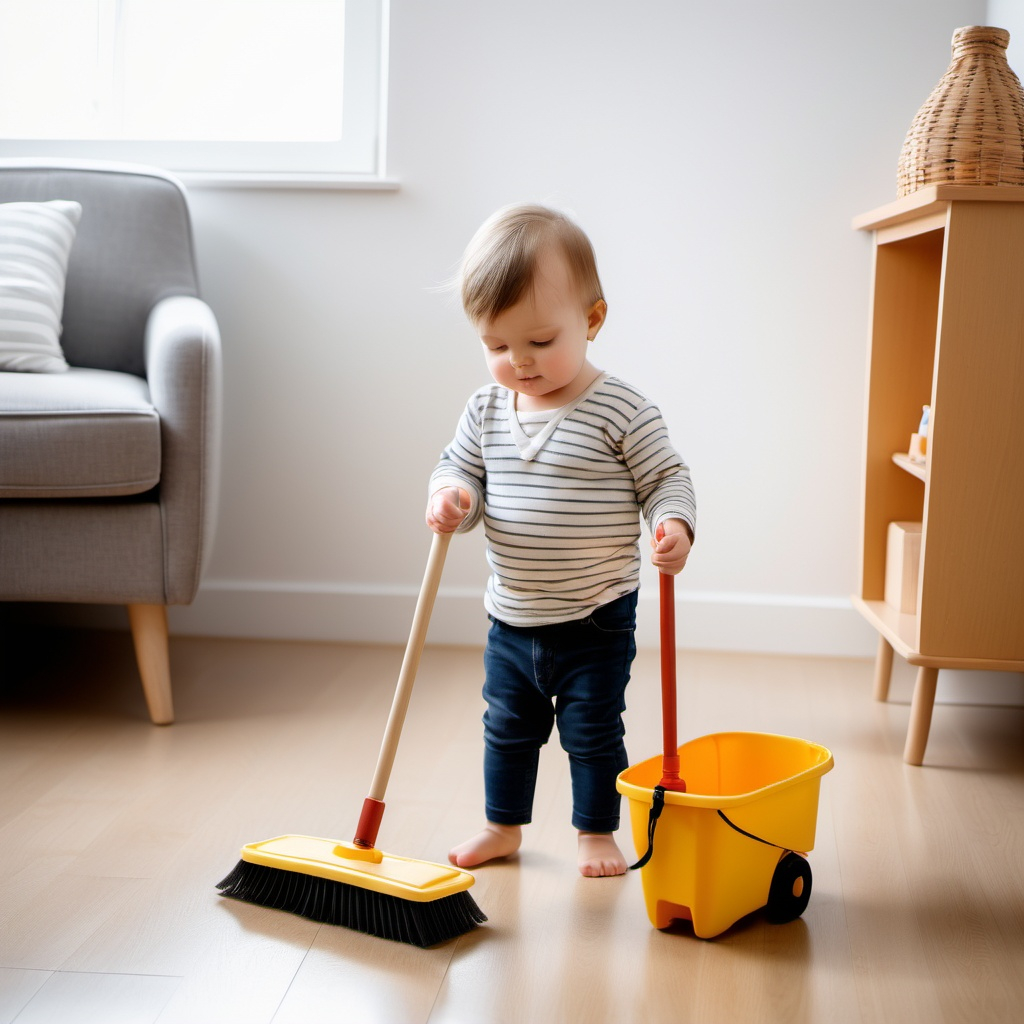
<point>741,623</point>
<point>730,622</point>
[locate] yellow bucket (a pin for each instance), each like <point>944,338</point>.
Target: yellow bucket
<point>731,843</point>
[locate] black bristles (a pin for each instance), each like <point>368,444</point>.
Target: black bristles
<point>375,913</point>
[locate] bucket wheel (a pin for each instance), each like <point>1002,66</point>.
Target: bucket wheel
<point>790,889</point>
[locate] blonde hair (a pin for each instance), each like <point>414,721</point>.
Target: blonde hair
<point>500,262</point>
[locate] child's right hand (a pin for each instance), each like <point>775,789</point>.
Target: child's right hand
<point>447,508</point>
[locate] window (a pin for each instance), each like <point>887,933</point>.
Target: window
<point>257,86</point>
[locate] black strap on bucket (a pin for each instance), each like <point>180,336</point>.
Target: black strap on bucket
<point>652,823</point>
<point>749,835</point>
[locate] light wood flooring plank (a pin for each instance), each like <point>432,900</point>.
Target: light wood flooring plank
<point>114,833</point>
<point>99,999</point>
<point>17,987</point>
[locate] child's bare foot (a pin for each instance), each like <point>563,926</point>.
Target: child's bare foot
<point>493,842</point>
<point>600,856</point>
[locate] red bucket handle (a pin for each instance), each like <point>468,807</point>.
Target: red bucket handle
<point>670,757</point>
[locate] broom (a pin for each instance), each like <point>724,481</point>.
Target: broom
<point>355,884</point>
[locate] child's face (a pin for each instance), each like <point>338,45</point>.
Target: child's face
<point>539,346</point>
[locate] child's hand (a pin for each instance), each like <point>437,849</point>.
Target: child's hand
<point>447,508</point>
<point>672,550</point>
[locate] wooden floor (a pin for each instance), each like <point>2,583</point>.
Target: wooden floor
<point>113,833</point>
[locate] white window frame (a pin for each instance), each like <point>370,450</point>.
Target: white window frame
<point>357,161</point>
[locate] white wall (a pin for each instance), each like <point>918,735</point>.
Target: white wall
<point>716,153</point>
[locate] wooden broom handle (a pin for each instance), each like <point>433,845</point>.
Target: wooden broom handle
<point>410,664</point>
<point>373,806</point>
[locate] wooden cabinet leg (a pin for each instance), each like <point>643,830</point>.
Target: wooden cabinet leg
<point>920,714</point>
<point>149,632</point>
<point>883,669</point>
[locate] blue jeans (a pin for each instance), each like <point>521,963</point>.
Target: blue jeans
<point>572,673</point>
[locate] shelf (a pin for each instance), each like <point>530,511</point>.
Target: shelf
<point>905,462</point>
<point>901,632</point>
<point>932,199</point>
<point>946,309</point>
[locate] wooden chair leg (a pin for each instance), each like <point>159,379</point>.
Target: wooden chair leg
<point>920,714</point>
<point>149,632</point>
<point>883,669</point>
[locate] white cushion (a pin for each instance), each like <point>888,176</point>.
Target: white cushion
<point>35,242</point>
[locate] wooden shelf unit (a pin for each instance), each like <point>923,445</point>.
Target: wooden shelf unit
<point>947,330</point>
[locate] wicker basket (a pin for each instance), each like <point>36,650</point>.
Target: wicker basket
<point>971,128</point>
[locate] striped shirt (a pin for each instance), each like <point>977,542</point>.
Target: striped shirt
<point>560,500</point>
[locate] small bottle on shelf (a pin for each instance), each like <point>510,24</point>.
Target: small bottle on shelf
<point>919,442</point>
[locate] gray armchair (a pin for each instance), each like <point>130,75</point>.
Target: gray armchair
<point>108,471</point>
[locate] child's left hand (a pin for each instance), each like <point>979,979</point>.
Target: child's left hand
<point>671,552</point>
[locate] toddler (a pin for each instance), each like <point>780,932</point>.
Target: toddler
<point>558,459</point>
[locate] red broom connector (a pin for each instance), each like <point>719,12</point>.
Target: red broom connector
<point>369,823</point>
